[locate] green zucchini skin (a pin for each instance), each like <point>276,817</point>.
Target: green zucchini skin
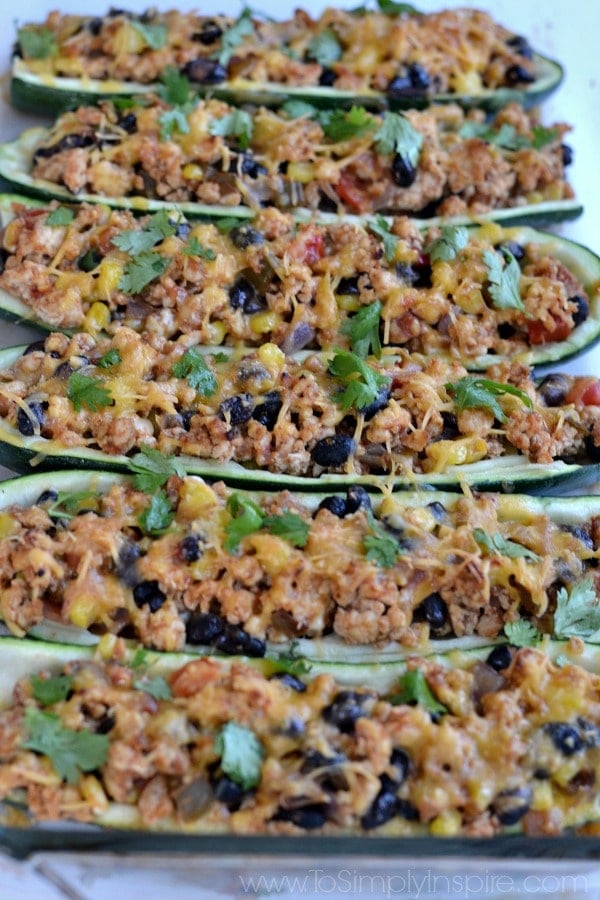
<point>33,94</point>
<point>579,259</point>
<point>14,176</point>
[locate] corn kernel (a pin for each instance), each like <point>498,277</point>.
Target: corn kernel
<point>466,83</point>
<point>11,235</point>
<point>110,272</point>
<point>272,357</point>
<point>195,498</point>
<point>272,552</point>
<point>92,791</point>
<point>492,233</point>
<point>567,771</point>
<point>83,611</point>
<point>96,318</point>
<point>543,798</point>
<point>215,333</point>
<point>106,646</point>
<point>456,453</point>
<point>446,824</point>
<point>303,172</point>
<point>263,322</point>
<point>347,302</point>
<point>8,525</point>
<point>192,172</point>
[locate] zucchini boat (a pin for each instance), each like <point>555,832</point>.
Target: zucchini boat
<point>212,159</point>
<point>441,292</point>
<point>394,58</point>
<point>215,747</point>
<point>268,420</point>
<point>176,564</point>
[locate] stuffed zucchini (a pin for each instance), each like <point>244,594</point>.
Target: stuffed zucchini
<point>115,743</point>
<point>211,159</point>
<point>394,56</point>
<point>266,419</point>
<point>174,563</point>
<point>480,295</point>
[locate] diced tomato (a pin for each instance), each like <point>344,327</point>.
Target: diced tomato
<point>540,335</point>
<point>585,392</point>
<point>349,192</point>
<point>308,247</point>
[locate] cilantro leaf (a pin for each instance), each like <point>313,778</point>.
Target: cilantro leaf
<point>577,612</point>
<point>380,546</point>
<point>70,752</point>
<point>505,137</point>
<point>452,239</point>
<point>363,382</point>
<point>543,136</point>
<point>522,633</point>
<point>175,88</point>
<point>237,123</point>
<point>363,330</point>
<point>153,469</point>
<point>172,120</point>
<point>246,518</point>
<point>48,691</point>
<point>140,658</point>
<point>292,661</point>
<point>141,271</point>
<point>156,229</point>
<point>111,358</point>
<point>472,391</point>
<point>194,368</point>
<point>156,518</point>
<point>154,35</point>
<point>69,503</point>
<point>195,248</point>
<point>340,125</point>
<point>60,216</point>
<point>391,8</point>
<point>382,228</point>
<point>241,754</point>
<point>397,135</point>
<point>295,109</point>
<point>324,48</point>
<point>243,27</point>
<point>503,280</point>
<point>496,544</point>
<point>414,689</point>
<point>83,390</point>
<point>290,526</point>
<point>157,687</point>
<point>37,43</point>
<point>228,223</point>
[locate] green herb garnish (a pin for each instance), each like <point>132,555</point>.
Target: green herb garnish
<point>290,526</point>
<point>111,358</point>
<point>324,48</point>
<point>382,228</point>
<point>577,612</point>
<point>69,504</point>
<point>152,469</point>
<point>381,548</point>
<point>70,752</point>
<point>60,217</point>
<point>496,544</point>
<point>242,28</point>
<point>156,686</point>
<point>397,135</point>
<point>193,367</point>
<point>156,518</point>
<point>414,689</point>
<point>363,383</point>
<point>246,518</point>
<point>195,248</point>
<point>452,239</point>
<point>141,271</point>
<point>154,35</point>
<point>472,391</point>
<point>83,390</point>
<point>238,123</point>
<point>49,691</point>
<point>37,43</point>
<point>522,633</point>
<point>503,280</point>
<point>363,330</point>
<point>241,754</point>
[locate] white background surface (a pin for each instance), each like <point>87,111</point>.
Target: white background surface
<point>568,30</point>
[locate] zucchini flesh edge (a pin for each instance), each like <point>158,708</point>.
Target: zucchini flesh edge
<point>14,174</point>
<point>579,259</point>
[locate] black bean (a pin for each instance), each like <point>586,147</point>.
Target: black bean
<point>379,403</point>
<point>432,610</point>
<point>35,347</point>
<point>506,331</point>
<point>117,11</point>
<point>128,123</point>
<point>205,71</point>
<point>25,421</point>
<point>582,534</point>
<point>203,628</point>
<point>567,154</point>
<point>245,164</point>
<point>500,657</point>
<point>348,286</point>
<point>520,45</point>
<point>228,792</point>
<point>290,681</point>
<point>105,724</point>
<point>344,710</point>
<point>327,77</point>
<point>335,505</point>
<point>333,451</point>
<point>148,593</point>
<point>511,805</point>
<point>413,82</point>
<point>402,764</point>
<point>209,32</point>
<point>590,733</point>
<point>403,171</point>
<point>307,817</point>
<point>89,260</point>
<point>94,26</point>
<point>518,75</point>
<point>126,565</point>
<point>245,235</point>
<point>357,498</point>
<point>407,810</point>
<point>313,759</point>
<point>233,640</point>
<point>513,247</point>
<point>268,411</point>
<point>417,275</point>
<point>186,418</point>
<point>243,295</point>
<point>182,229</point>
<point>237,410</point>
<point>48,496</point>
<point>565,737</point>
<point>583,308</point>
<point>553,389</point>
<point>189,548</point>
<point>450,428</point>
<point>591,448</point>
<point>437,510</point>
<point>68,142</point>
<point>383,808</point>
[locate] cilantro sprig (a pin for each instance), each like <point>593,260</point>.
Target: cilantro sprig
<point>84,390</point>
<point>176,91</point>
<point>397,135</point>
<point>522,633</point>
<point>49,691</point>
<point>577,611</point>
<point>141,271</point>
<point>247,518</point>
<point>156,518</point>
<point>472,391</point>
<point>363,383</point>
<point>139,240</point>
<point>363,330</point>
<point>452,239</point>
<point>193,367</point>
<point>157,686</point>
<point>70,752</point>
<point>68,504</point>
<point>238,123</point>
<point>503,280</point>
<point>380,546</point>
<point>382,228</point>
<point>153,469</point>
<point>241,754</point>
<point>195,248</point>
<point>290,526</point>
<point>324,47</point>
<point>37,43</point>
<point>242,28</point>
<point>337,124</point>
<point>111,358</point>
<point>414,689</point>
<point>154,34</point>
<point>507,138</point>
<point>60,217</point>
<point>496,544</point>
